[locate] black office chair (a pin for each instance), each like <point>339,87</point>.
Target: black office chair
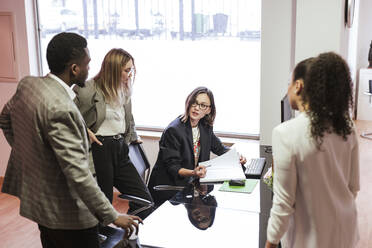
<point>138,157</point>
<point>140,161</point>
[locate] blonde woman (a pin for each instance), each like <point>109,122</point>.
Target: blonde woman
<point>105,104</point>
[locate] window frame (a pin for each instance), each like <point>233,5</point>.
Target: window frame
<point>144,128</point>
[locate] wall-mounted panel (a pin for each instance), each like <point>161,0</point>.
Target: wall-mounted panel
<point>8,63</point>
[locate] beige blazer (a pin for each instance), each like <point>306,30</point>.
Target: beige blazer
<point>91,103</point>
<point>314,190</point>
<point>48,169</point>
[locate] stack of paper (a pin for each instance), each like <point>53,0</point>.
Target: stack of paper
<point>224,167</point>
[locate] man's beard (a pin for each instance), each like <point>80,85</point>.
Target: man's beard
<point>80,84</point>
<point>79,80</point>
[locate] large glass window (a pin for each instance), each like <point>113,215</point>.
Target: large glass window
<point>177,45</point>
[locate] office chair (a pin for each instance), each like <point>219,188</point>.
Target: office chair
<point>138,157</point>
<point>139,160</point>
<point>166,187</point>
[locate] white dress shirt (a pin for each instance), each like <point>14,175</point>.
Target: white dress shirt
<point>69,90</point>
<point>314,190</point>
<point>114,122</point>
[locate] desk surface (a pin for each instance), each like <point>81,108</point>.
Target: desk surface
<point>238,201</point>
<point>235,220</point>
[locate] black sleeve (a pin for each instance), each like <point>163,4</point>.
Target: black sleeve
<point>171,150</point>
<point>217,147</point>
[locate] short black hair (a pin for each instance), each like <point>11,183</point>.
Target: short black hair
<point>64,49</point>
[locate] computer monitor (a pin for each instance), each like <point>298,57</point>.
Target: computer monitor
<point>286,111</point>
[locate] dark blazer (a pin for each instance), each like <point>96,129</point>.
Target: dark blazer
<point>91,103</point>
<point>176,152</point>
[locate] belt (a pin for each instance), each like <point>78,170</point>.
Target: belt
<point>115,137</point>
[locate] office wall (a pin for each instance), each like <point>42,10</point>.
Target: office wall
<point>318,26</point>
<point>277,42</point>
<point>364,33</point>
<point>17,7</point>
<point>364,39</point>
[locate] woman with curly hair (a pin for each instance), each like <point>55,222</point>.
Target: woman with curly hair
<point>316,160</point>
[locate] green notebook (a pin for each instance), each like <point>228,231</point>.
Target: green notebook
<point>248,188</point>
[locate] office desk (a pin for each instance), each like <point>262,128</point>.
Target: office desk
<point>236,221</point>
<point>239,201</point>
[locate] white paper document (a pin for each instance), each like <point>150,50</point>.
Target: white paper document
<point>223,168</point>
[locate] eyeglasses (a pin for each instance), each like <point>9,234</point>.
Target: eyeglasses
<point>130,71</point>
<point>202,106</point>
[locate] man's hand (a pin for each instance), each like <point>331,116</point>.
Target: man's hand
<point>93,138</point>
<point>270,245</point>
<point>137,141</point>
<point>127,222</point>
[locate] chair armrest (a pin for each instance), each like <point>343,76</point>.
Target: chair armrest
<point>168,187</point>
<point>136,199</point>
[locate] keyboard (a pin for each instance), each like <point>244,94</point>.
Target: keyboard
<point>255,168</point>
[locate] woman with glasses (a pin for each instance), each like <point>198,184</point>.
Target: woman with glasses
<point>200,205</point>
<point>105,104</point>
<point>316,159</point>
<point>187,140</point>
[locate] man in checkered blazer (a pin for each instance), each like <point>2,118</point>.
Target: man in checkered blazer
<point>48,168</point>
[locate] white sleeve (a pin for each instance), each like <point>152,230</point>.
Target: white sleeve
<point>285,182</point>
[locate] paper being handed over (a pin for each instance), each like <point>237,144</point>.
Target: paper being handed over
<point>223,168</point>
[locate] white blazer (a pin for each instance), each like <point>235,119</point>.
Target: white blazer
<point>314,190</point>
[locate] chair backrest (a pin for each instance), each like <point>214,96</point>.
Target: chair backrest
<point>138,158</point>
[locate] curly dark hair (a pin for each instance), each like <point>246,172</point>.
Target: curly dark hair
<point>328,95</point>
<point>64,49</point>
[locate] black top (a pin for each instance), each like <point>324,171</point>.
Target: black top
<point>176,152</point>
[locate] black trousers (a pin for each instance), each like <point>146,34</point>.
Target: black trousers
<point>59,238</point>
<point>114,169</point>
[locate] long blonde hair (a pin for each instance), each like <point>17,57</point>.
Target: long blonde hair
<point>108,78</point>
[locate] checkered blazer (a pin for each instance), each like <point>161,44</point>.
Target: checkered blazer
<point>48,168</point>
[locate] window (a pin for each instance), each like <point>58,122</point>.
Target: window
<point>177,45</point>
